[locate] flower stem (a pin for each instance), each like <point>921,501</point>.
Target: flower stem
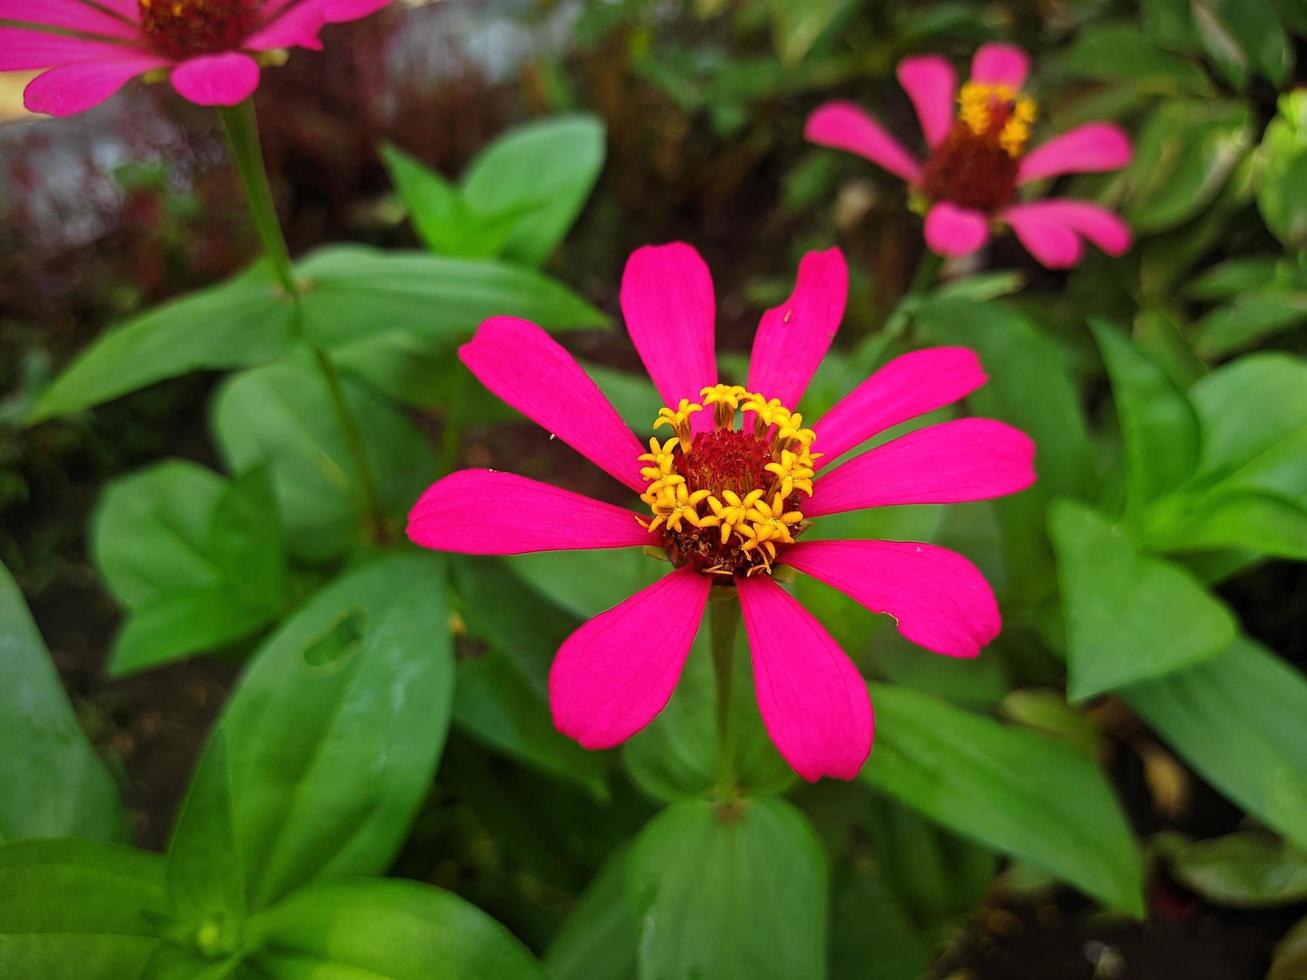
<point>868,354</point>
<point>723,623</point>
<point>242,130</point>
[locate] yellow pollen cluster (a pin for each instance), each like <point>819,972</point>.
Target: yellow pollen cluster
<point>977,103</point>
<point>686,478</point>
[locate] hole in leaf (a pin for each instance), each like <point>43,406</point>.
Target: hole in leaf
<point>339,642</point>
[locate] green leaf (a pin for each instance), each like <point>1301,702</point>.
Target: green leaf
<point>585,583</point>
<point>1128,616</point>
<point>1249,320</point>
<point>1290,961</point>
<point>1282,197</point>
<point>1120,52</point>
<point>434,206</point>
<point>1254,416</point>
<point>196,559</point>
<point>240,323</point>
<point>54,785</point>
<point>740,894</point>
<point>204,866</point>
<point>399,930</point>
<point>336,727</point>
<point>544,172</point>
<point>1259,523</point>
<point>1023,793</point>
<point>1237,720</point>
<point>78,909</point>
<point>1159,425</point>
<point>1245,870</point>
<point>354,293</point>
<point>1243,36</point>
<point>1184,155</point>
<point>282,417</point>
<point>798,27</point>
<point>599,938</point>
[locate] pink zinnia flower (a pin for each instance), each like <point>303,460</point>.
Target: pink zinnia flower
<point>727,504</point>
<point>977,158</point>
<point>92,49</point>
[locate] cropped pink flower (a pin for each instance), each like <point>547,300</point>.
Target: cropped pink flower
<point>729,504</point>
<point>977,159</point>
<point>92,48</point>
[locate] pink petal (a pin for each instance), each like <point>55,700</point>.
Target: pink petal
<point>670,310</point>
<point>931,84</point>
<point>953,231</point>
<point>1096,223</point>
<point>69,89</point>
<point>333,11</point>
<point>614,674</point>
<point>530,371</point>
<point>217,79</point>
<point>794,337</point>
<point>948,463</point>
<point>1049,240</point>
<point>482,512</point>
<point>813,700</point>
<point>69,15</point>
<point>844,126</point>
<point>1000,64</point>
<point>23,50</point>
<point>1091,148</point>
<point>906,387</point>
<point>297,28</point>
<point>131,9</point>
<point>938,599</point>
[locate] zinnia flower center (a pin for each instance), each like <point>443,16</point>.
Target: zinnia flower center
<point>725,500</point>
<point>976,165</point>
<point>185,28</point>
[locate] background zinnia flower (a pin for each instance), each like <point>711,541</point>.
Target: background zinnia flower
<point>978,161</point>
<point>207,47</point>
<point>616,672</point>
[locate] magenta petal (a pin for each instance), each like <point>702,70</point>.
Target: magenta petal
<point>1000,64</point>
<point>217,79</point>
<point>69,15</point>
<point>482,512</point>
<point>931,84</point>
<point>1105,229</point>
<point>812,699</point>
<point>938,599</point>
<point>845,126</point>
<point>953,231</point>
<point>1091,148</point>
<point>906,387</point>
<point>1046,234</point>
<point>531,372</point>
<point>614,674</point>
<point>296,28</point>
<point>131,9</point>
<point>948,463</point>
<point>23,50</point>
<point>341,11</point>
<point>670,310</point>
<point>794,337</point>
<point>69,89</point>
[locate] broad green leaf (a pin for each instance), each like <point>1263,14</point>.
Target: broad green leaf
<point>78,909</point>
<point>1119,51</point>
<point>544,172</point>
<point>1184,154</point>
<point>1283,194</point>
<point>1169,23</point>
<point>282,417</point>
<point>873,936</point>
<point>1047,711</point>
<point>1158,423</point>
<point>240,323</point>
<point>1290,961</point>
<point>1241,275</point>
<point>400,930</point>
<point>1244,37</point>
<point>197,560</point>
<point>1017,791</point>
<point>736,894</point>
<point>599,938</point>
<point>1246,870</point>
<point>354,293</point>
<point>1249,320</point>
<point>1128,616</point>
<point>53,783</point>
<point>585,583</point>
<point>1254,416</point>
<point>797,27</point>
<point>1257,523</point>
<point>336,727</point>
<point>205,875</point>
<point>434,206</point>
<point>633,395</point>
<point>1237,720</point>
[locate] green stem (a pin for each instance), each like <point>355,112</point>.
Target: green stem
<point>242,129</point>
<point>723,623</point>
<point>922,280</point>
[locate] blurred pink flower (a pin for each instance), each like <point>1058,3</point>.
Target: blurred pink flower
<point>978,160</point>
<point>90,50</point>
<point>727,504</point>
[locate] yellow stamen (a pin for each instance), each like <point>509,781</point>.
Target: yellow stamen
<point>978,103</point>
